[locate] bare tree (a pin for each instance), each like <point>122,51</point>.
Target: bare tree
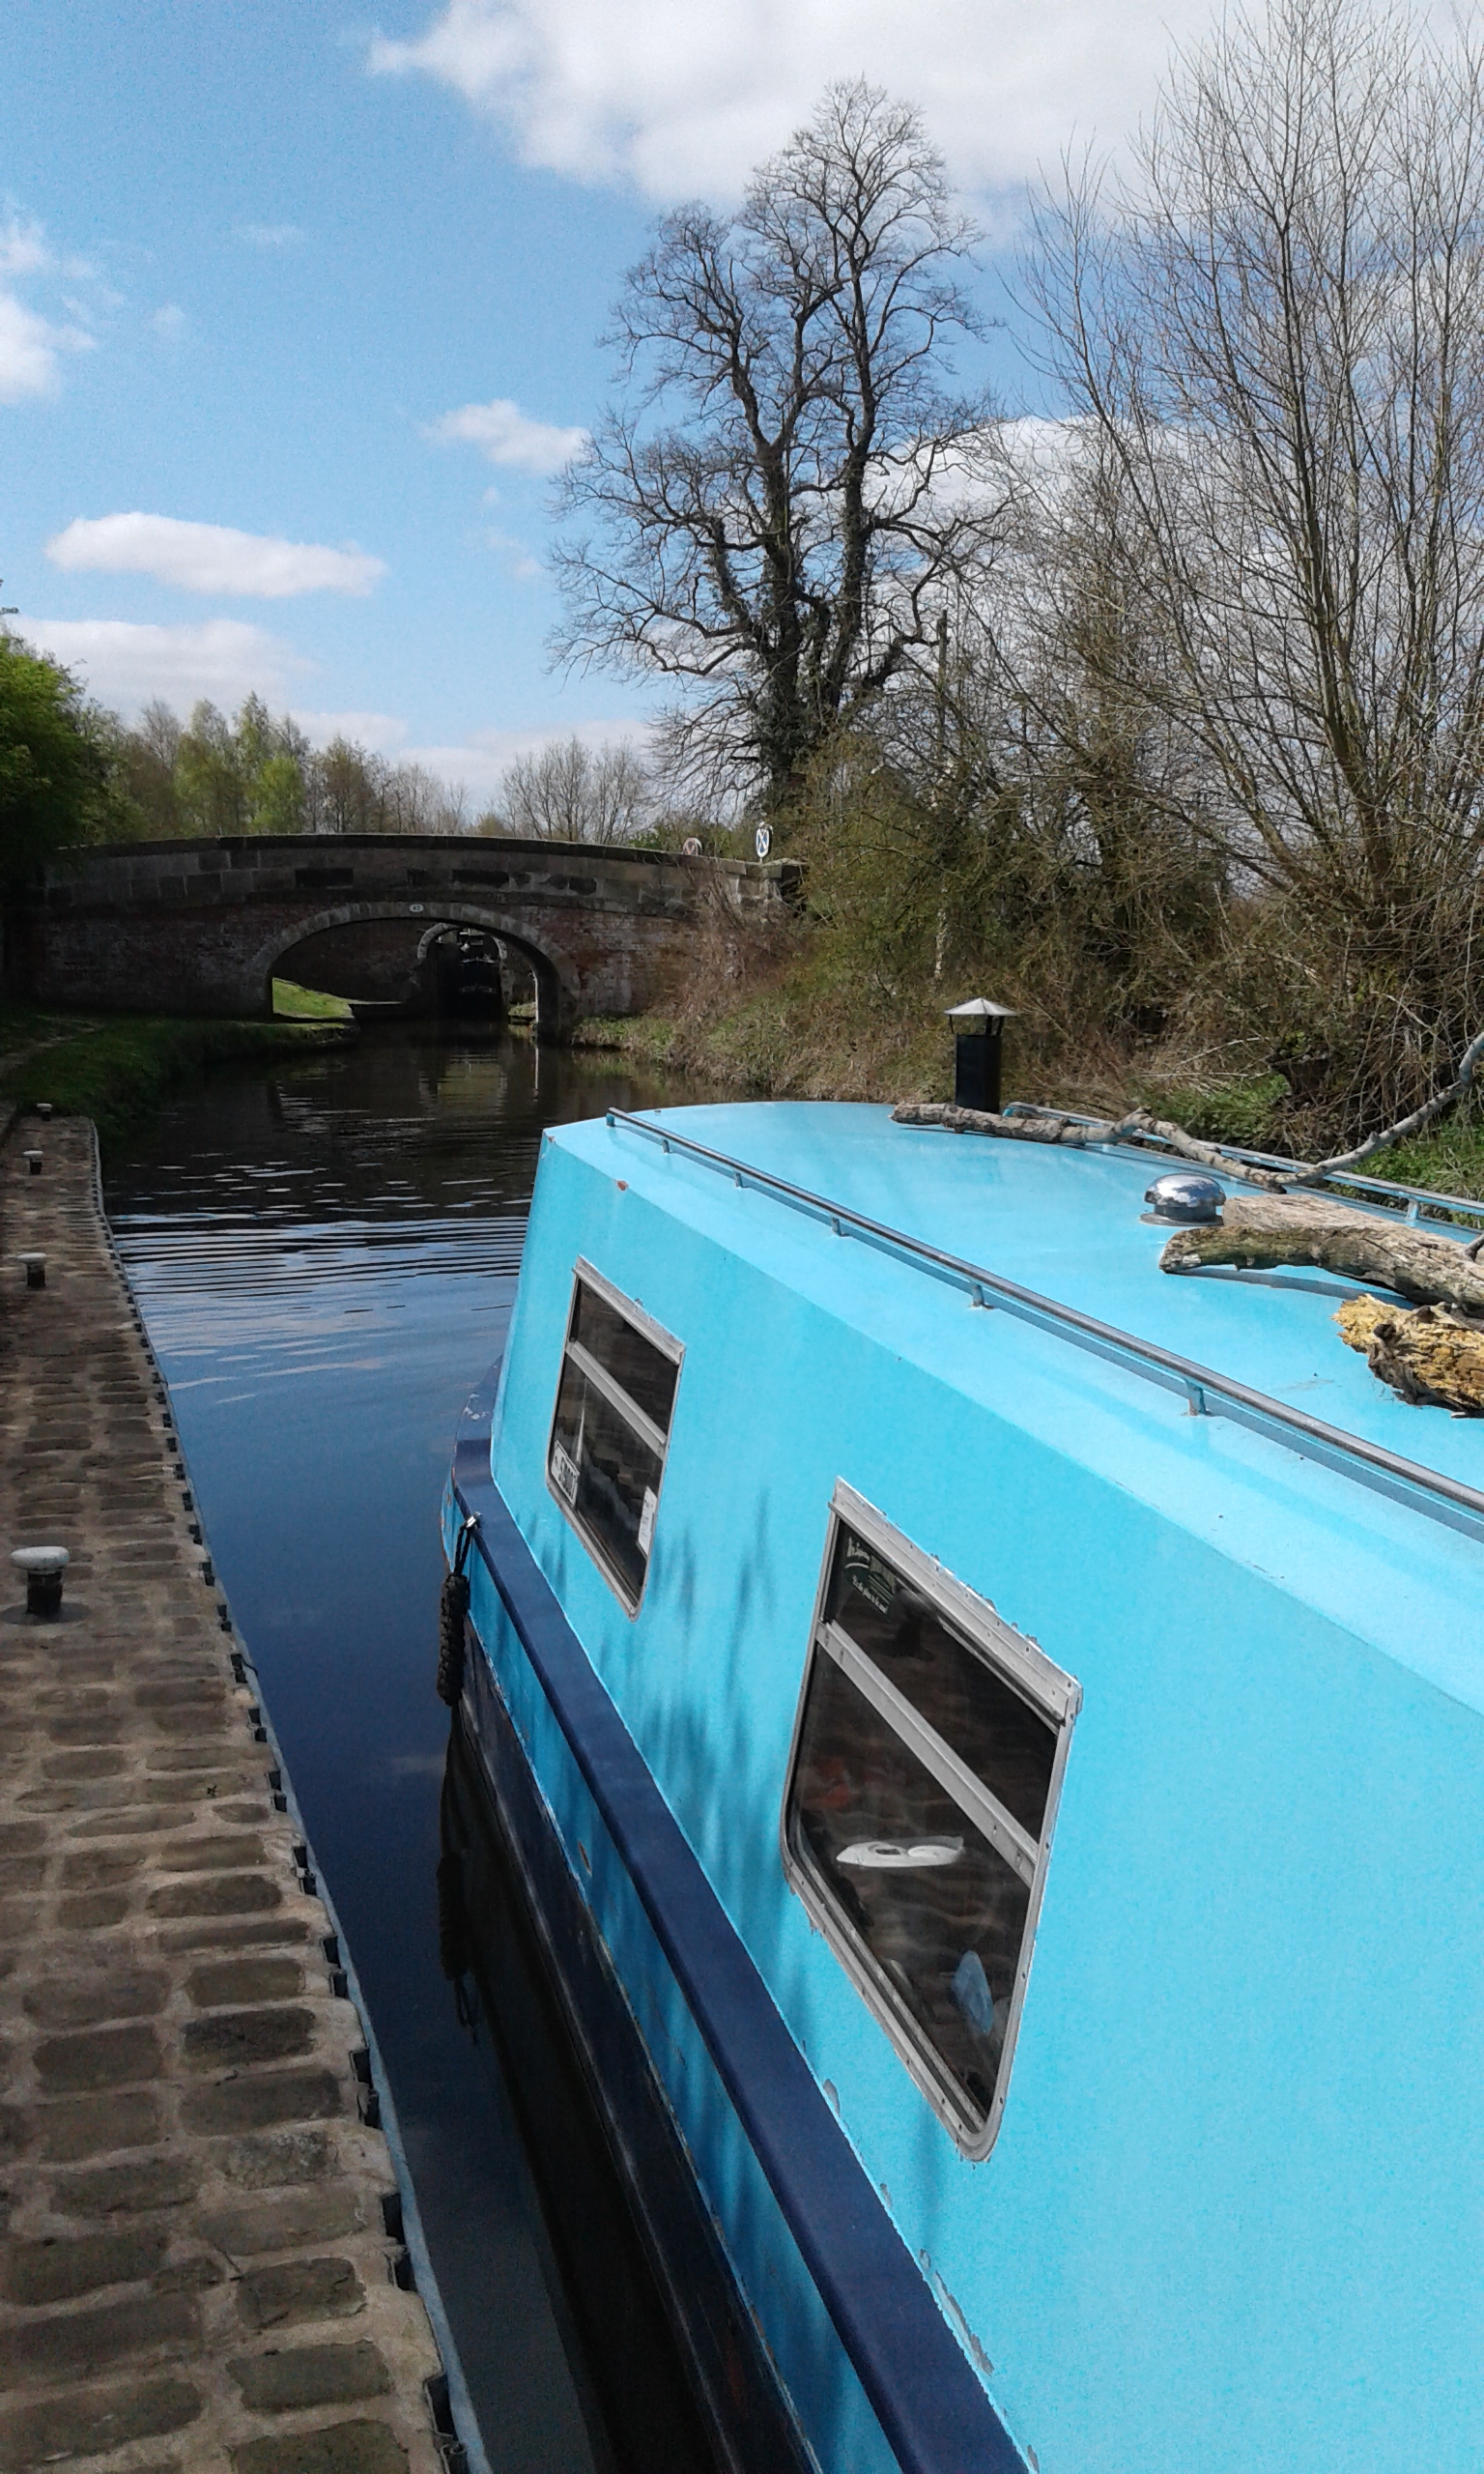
<point>772,511</point>
<point>1119,804</point>
<point>1275,328</point>
<point>348,790</point>
<point>572,792</point>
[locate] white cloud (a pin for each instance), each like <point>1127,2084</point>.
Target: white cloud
<point>28,359</point>
<point>269,235</point>
<point>209,558</point>
<point>503,432</point>
<point>681,98</point>
<point>32,344</point>
<point>128,666</point>
<point>477,763</point>
<point>379,732</point>
<point>30,347</point>
<point>24,250</point>
<point>523,564</point>
<point>23,247</point>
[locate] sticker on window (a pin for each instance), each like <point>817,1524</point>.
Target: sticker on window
<point>866,1572</point>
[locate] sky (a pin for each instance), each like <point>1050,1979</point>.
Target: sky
<point>300,310</point>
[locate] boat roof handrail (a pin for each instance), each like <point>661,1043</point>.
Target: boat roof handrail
<point>1439,1498</point>
<point>1417,1200</point>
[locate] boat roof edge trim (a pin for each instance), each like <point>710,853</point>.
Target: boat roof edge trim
<point>1409,1483</point>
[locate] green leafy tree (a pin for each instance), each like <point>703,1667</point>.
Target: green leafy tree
<point>278,794</point>
<point>56,775</point>
<point>208,775</point>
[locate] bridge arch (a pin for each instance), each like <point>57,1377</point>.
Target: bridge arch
<point>556,982</point>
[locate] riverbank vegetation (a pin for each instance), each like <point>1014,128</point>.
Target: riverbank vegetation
<point>1181,756</point>
<point>114,1067</point>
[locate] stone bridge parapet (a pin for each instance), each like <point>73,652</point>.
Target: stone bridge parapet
<point>202,927</point>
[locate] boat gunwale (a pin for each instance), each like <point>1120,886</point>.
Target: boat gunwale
<point>1409,1482</point>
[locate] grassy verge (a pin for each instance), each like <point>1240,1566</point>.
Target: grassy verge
<point>773,1044</point>
<point>780,1042</point>
<point>111,1067</point>
<point>1448,1160</point>
<point>295,1004</point>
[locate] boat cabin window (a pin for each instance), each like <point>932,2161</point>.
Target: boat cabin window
<point>609,1435</point>
<point>917,1820</point>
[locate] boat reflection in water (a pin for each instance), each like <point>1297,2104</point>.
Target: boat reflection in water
<point>632,2384</point>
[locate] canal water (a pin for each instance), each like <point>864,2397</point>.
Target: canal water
<point>325,1251</point>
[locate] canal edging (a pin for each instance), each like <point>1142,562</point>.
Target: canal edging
<point>203,2226</point>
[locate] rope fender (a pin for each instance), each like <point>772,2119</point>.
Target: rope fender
<point>452,1613</point>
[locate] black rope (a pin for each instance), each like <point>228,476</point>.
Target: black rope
<point>452,1612</point>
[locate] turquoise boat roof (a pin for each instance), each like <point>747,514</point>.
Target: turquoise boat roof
<point>1069,1224</point>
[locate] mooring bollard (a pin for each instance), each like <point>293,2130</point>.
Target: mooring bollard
<point>33,1160</point>
<point>35,1270</point>
<point>44,1110</point>
<point>43,1567</point>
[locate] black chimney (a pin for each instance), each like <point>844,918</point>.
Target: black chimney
<point>978,1029</point>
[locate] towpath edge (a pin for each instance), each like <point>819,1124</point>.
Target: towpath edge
<point>201,2232</point>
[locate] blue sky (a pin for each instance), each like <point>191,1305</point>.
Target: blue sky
<point>282,275</point>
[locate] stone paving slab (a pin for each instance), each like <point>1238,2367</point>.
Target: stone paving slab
<point>196,2270</point>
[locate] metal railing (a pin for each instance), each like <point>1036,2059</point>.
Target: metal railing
<point>1407,1203</point>
<point>1207,1394</point>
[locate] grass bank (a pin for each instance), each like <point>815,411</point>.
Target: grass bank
<point>112,1067</point>
<point>787,1038</point>
<point>295,1004</point>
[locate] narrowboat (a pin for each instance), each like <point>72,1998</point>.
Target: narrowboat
<point>989,1735</point>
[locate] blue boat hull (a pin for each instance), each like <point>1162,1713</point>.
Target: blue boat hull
<point>838,2359</point>
<point>749,2426</point>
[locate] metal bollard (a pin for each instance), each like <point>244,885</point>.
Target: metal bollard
<point>44,1110</point>
<point>35,1270</point>
<point>43,1567</point>
<point>33,1160</point>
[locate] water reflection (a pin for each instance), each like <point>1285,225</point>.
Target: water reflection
<point>326,1255</point>
<point>629,2372</point>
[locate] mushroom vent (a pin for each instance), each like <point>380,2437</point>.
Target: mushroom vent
<point>1185,1196</point>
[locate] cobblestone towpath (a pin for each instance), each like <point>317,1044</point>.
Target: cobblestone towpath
<point>201,2237</point>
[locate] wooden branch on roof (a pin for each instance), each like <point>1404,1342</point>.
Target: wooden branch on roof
<point>1266,1231</point>
<point>1048,1127</point>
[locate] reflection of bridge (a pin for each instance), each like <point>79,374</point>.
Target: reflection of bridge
<point>202,927</point>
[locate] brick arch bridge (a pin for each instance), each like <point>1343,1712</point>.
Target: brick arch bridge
<point>202,927</point>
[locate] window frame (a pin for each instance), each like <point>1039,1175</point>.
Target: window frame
<point>1055,1697</point>
<point>630,1312</point>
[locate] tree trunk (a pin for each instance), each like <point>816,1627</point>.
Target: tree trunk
<point>1262,1231</point>
<point>1048,1126</point>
